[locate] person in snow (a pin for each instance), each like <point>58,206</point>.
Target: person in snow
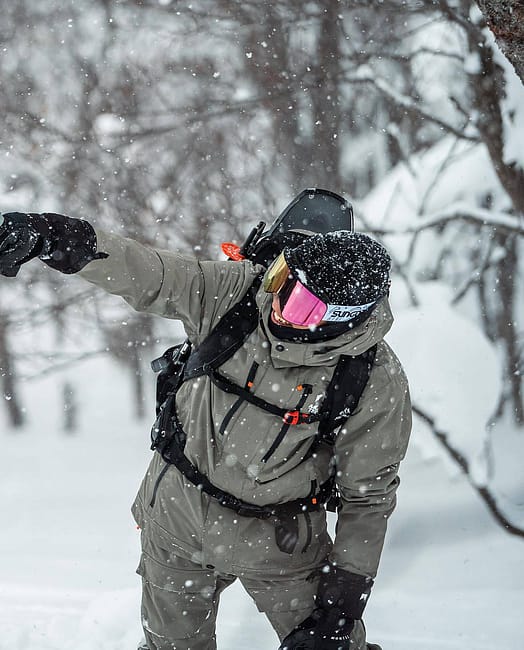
<point>237,488</point>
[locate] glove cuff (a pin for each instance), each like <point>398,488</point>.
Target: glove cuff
<point>69,244</point>
<point>346,591</point>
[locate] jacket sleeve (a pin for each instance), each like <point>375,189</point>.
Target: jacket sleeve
<point>168,283</point>
<point>368,451</point>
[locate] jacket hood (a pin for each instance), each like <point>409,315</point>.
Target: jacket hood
<point>324,353</point>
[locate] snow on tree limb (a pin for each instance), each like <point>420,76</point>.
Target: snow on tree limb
<point>366,75</point>
<point>463,212</point>
<point>483,492</point>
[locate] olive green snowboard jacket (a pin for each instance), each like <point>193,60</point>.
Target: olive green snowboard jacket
<point>229,441</point>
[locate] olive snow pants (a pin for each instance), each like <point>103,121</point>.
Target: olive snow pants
<point>180,602</point>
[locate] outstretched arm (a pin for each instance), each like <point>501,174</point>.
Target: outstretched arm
<point>166,283</point>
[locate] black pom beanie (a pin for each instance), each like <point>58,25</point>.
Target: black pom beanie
<point>342,267</point>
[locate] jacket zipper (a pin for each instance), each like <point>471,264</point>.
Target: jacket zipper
<point>157,483</point>
<point>229,415</point>
<point>306,391</point>
<point>248,385</point>
<point>307,518</point>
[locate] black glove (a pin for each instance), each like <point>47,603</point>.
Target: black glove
<point>63,243</point>
<point>340,600</point>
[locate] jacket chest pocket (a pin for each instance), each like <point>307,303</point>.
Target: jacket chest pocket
<point>306,390</point>
<point>263,424</point>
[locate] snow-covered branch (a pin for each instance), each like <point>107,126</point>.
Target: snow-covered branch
<point>500,221</point>
<point>483,492</point>
<point>28,315</point>
<point>67,361</point>
<point>366,75</point>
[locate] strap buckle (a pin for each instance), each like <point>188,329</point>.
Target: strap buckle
<point>295,417</point>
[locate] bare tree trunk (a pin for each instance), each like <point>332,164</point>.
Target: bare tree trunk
<point>505,289</point>
<point>8,380</point>
<point>505,18</point>
<point>131,346</point>
<point>138,382</point>
<point>272,76</point>
<point>488,93</point>
<point>70,407</point>
<point>324,150</point>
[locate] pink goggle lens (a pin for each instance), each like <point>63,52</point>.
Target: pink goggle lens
<point>301,307</point>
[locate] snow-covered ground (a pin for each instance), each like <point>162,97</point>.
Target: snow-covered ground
<point>450,577</point>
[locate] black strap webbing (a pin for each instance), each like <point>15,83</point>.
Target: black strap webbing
<point>227,336</point>
<point>229,387</point>
<point>345,390</point>
<point>173,453</point>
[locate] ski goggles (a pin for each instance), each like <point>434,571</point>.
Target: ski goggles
<point>299,306</point>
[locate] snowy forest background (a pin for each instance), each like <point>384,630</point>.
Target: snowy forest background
<point>183,125</point>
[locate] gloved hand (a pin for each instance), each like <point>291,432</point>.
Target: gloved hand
<point>340,600</point>
<point>63,243</point>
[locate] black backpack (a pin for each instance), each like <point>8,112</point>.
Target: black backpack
<point>180,363</point>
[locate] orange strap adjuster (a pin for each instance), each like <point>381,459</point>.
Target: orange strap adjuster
<point>295,417</point>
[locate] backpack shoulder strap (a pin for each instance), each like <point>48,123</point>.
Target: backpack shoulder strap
<point>227,336</point>
<point>344,391</point>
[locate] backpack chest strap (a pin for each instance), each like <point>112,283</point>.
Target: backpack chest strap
<point>227,336</point>
<point>290,417</point>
